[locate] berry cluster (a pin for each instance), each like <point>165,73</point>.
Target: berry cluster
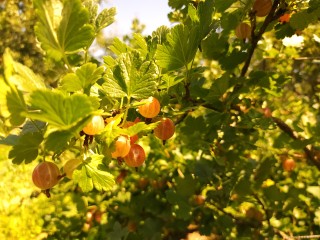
<point>126,149</point>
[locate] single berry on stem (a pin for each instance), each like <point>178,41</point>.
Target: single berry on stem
<point>151,109</point>
<point>122,147</point>
<point>165,129</point>
<point>243,31</point>
<point>95,126</point>
<point>261,8</point>
<point>46,175</point>
<point>136,156</point>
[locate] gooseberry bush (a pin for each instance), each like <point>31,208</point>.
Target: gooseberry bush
<point>203,128</point>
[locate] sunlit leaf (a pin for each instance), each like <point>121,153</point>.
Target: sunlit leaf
<point>20,75</point>
<point>140,127</point>
<point>111,130</point>
<point>59,110</point>
<point>118,46</point>
<point>105,18</point>
<point>73,32</point>
<point>84,76</point>
<point>16,106</point>
<point>4,89</point>
<point>45,29</point>
<point>131,78</point>
<point>93,174</point>
<point>140,42</point>
<point>180,49</point>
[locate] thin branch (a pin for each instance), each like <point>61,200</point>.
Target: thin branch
<point>256,37</point>
<point>310,151</point>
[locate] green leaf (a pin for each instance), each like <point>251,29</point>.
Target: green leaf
<point>192,12</point>
<point>131,78</point>
<point>219,87</point>
<point>283,30</point>
<point>139,127</point>
<point>4,89</point>
<point>111,131</point>
<point>160,34</point>
<point>118,232</point>
<point>25,79</point>
<point>93,173</point>
<point>243,186</point>
<point>302,19</point>
<point>22,76</point>
<point>170,80</point>
<point>180,49</point>
<point>222,5</point>
<point>45,29</point>
<point>186,186</point>
<point>16,106</point>
<point>118,46</point>
<point>74,33</point>
<point>205,12</point>
<point>71,83</point>
<point>177,3</point>
<point>232,60</point>
<point>92,8</point>
<point>58,141</point>
<point>80,176</point>
<point>109,61</point>
<point>105,18</point>
<point>26,148</point>
<point>274,194</point>
<point>215,46</point>
<point>181,207</point>
<point>140,43</point>
<point>59,110</point>
<point>32,126</point>
<point>84,77</point>
<point>10,140</point>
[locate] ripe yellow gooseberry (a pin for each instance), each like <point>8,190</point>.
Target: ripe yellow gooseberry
<point>262,7</point>
<point>136,156</point>
<point>122,147</point>
<point>95,126</point>
<point>45,175</point>
<point>165,129</point>
<point>243,31</point>
<point>151,108</point>
<point>288,164</point>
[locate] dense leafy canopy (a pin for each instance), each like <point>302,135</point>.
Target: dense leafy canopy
<point>243,110</point>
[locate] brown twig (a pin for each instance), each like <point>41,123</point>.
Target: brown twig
<point>310,151</point>
<point>256,37</point>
